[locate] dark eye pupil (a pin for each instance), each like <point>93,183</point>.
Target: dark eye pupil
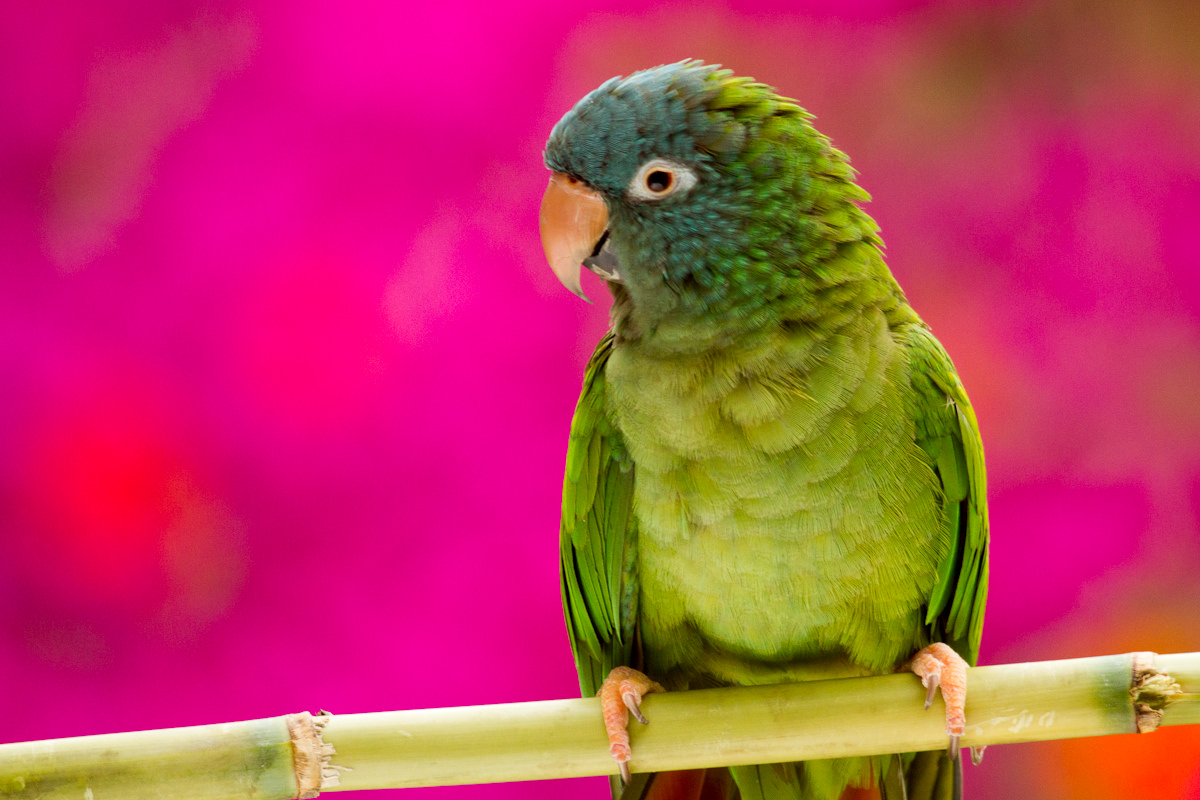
<point>658,181</point>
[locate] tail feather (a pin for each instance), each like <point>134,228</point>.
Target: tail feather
<point>913,776</point>
<point>767,781</point>
<point>692,784</point>
<point>931,775</point>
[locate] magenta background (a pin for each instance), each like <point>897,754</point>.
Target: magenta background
<point>285,384</point>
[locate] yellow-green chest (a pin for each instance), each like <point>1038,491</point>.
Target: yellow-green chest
<point>785,514</point>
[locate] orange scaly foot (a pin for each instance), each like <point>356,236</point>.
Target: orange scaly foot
<point>620,695</point>
<point>939,666</point>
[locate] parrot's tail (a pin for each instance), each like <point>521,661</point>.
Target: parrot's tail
<point>932,775</point>
<point>914,776</point>
<point>690,784</point>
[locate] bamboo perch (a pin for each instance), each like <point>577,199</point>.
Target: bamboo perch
<point>565,738</point>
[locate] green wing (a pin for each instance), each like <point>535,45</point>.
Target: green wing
<point>597,537</point>
<point>948,432</point>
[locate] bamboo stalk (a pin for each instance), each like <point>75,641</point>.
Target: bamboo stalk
<point>565,738</point>
<point>242,759</point>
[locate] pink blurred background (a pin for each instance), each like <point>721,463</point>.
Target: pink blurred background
<point>285,384</point>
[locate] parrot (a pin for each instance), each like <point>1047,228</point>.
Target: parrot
<point>774,473</point>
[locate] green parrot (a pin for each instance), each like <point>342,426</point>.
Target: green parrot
<point>774,473</point>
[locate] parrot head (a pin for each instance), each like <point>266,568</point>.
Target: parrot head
<point>694,191</point>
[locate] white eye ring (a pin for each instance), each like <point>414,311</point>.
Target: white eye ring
<point>659,178</point>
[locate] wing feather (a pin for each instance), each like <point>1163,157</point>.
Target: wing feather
<point>598,535</point>
<point>948,431</point>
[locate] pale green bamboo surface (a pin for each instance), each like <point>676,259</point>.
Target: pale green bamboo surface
<point>565,738</point>
<point>237,759</point>
<point>794,722</point>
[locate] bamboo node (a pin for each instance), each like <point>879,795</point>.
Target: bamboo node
<point>314,771</point>
<point>1151,692</point>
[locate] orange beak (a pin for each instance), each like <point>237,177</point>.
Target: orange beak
<point>572,220</point>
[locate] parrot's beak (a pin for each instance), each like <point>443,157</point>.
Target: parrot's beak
<point>573,221</point>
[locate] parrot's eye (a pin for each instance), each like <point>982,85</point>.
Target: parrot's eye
<point>659,178</point>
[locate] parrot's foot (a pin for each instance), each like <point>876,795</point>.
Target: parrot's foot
<point>939,666</point>
<point>621,695</point>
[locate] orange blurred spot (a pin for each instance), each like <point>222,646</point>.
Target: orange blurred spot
<point>1164,765</point>
<point>204,561</point>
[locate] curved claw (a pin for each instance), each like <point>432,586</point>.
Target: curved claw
<point>632,700</point>
<point>621,695</point>
<point>931,683</point>
<point>939,667</point>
